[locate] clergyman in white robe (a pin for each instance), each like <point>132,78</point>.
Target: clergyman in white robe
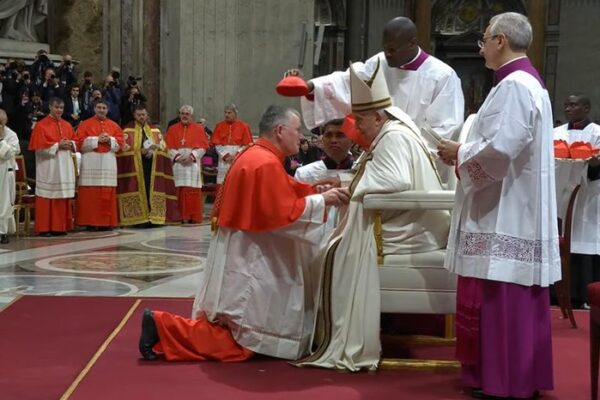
<point>585,237</point>
<point>585,228</point>
<point>9,148</point>
<point>503,240</point>
<point>429,93</point>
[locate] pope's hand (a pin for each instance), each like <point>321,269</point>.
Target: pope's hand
<point>448,151</point>
<point>336,197</point>
<point>332,181</point>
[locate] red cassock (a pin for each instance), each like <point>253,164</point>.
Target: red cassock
<point>258,196</point>
<point>231,133</point>
<point>97,205</point>
<point>191,136</point>
<point>51,214</point>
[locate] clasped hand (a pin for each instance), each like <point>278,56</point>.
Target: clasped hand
<point>65,144</point>
<point>336,197</point>
<point>103,138</point>
<point>186,160</point>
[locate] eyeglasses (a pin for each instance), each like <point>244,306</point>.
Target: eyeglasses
<point>481,43</point>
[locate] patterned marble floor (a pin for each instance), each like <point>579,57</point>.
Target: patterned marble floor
<point>163,261</point>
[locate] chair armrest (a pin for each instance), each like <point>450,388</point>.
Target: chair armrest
<point>411,200</point>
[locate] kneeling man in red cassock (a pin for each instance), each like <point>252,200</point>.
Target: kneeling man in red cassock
<point>99,139</point>
<point>260,286</point>
<point>52,141</point>
<point>187,142</point>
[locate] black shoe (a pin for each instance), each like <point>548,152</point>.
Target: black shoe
<point>4,239</point>
<point>477,393</point>
<point>149,336</point>
<point>44,234</point>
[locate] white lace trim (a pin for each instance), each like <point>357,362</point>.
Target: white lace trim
<point>506,247</point>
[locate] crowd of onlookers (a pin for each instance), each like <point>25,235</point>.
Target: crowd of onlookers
<point>25,92</point>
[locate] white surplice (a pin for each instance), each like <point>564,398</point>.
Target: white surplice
<point>432,94</point>
<point>397,160</point>
<point>313,172</point>
<point>585,235</point>
<point>264,286</point>
<point>9,148</point>
<point>223,166</point>
<point>187,175</point>
<point>98,169</point>
<point>55,173</point>
<point>504,221</point>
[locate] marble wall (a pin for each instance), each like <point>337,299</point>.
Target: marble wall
<point>76,29</point>
<point>214,52</point>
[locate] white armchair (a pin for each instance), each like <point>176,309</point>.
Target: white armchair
<point>413,283</point>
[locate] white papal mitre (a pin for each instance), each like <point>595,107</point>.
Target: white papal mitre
<point>372,94</point>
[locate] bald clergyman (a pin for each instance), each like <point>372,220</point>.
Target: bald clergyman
<point>422,86</point>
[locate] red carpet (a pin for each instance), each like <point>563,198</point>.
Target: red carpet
<point>48,340</point>
<point>120,374</point>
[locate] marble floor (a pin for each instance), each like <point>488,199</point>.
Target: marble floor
<point>159,262</point>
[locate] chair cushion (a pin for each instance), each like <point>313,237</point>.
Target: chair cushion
<point>416,260</point>
<point>416,272</point>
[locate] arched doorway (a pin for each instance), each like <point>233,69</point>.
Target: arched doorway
<point>456,26</point>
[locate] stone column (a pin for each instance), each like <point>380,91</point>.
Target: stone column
<point>218,52</point>
<point>423,22</point>
<point>150,57</point>
<point>536,10</point>
<point>132,44</point>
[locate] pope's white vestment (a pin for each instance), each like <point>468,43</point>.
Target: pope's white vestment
<point>348,329</point>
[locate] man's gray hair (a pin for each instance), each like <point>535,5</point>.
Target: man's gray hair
<point>516,28</point>
<point>273,116</point>
<point>186,107</point>
<point>231,107</point>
